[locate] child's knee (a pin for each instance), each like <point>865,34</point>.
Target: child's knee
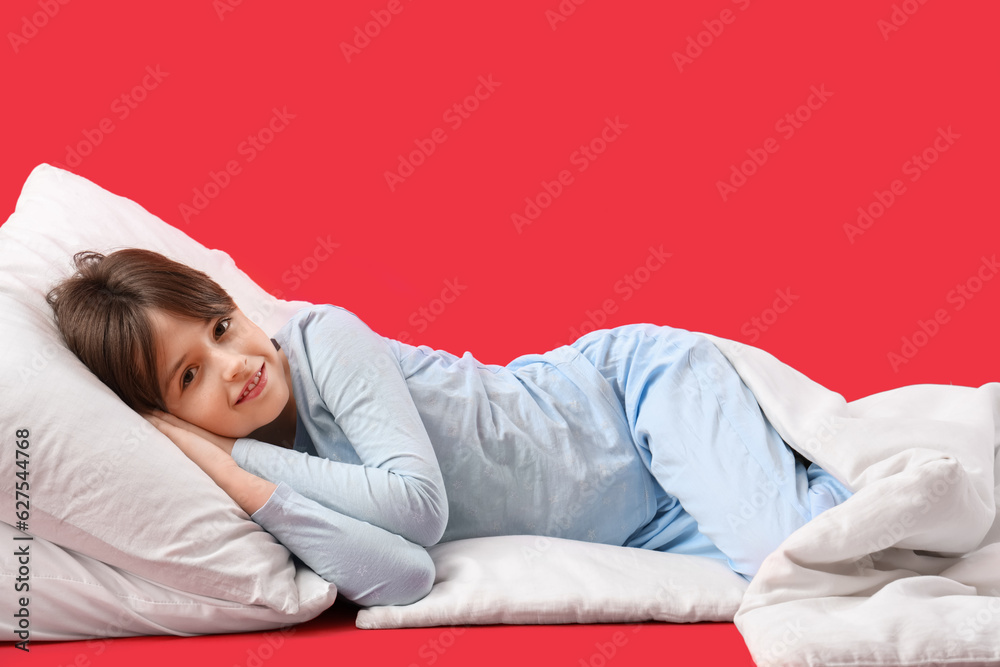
<point>825,491</point>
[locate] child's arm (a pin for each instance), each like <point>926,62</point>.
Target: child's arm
<point>248,490</point>
<point>367,564</point>
<point>353,377</point>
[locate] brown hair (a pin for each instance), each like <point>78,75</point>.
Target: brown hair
<point>102,312</point>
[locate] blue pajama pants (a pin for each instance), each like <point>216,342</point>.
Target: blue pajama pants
<point>732,488</point>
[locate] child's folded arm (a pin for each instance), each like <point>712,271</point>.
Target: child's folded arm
<point>384,498</point>
<point>358,380</point>
<point>369,566</point>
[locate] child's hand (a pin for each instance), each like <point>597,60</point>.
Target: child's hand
<point>209,457</point>
<point>223,443</point>
<point>248,490</point>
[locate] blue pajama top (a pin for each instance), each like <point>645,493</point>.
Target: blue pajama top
<point>399,447</point>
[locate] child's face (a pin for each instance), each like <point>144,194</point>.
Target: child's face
<point>205,368</point>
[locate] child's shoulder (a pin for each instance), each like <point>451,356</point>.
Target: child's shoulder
<point>326,334</point>
<point>324,320</point>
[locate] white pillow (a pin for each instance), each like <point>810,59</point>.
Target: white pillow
<point>527,579</point>
<point>74,596</point>
<point>102,481</point>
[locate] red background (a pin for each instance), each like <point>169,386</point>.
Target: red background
<point>890,90</point>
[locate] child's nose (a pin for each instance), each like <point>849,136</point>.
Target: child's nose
<point>234,365</point>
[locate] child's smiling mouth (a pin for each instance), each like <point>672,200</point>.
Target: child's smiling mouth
<point>254,385</point>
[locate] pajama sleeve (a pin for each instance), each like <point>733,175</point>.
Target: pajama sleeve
<point>350,371</point>
<point>367,564</point>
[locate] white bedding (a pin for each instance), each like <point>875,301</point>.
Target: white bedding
<point>907,571</point>
<point>855,586</point>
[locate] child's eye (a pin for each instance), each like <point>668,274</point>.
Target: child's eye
<point>222,326</point>
<point>187,378</point>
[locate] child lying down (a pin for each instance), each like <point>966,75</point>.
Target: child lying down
<point>355,451</point>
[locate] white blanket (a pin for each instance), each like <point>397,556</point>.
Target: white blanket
<point>907,571</point>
